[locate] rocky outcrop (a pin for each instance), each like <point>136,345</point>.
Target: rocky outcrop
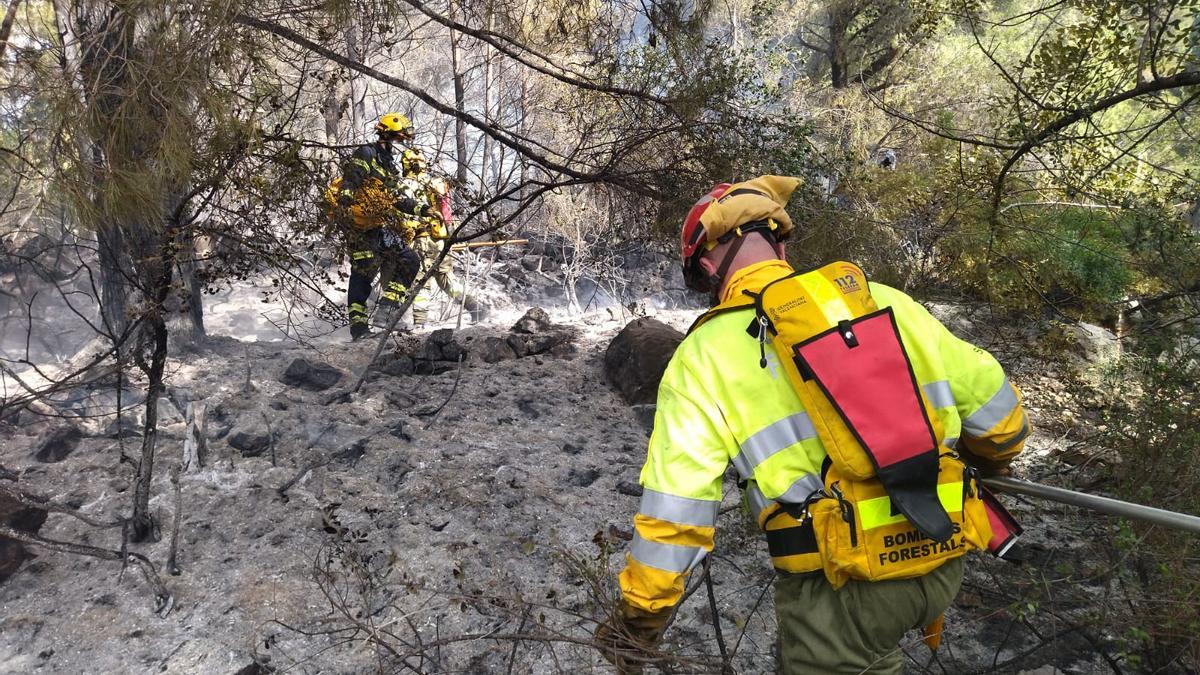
<point>440,353</point>
<point>636,358</point>
<point>533,334</point>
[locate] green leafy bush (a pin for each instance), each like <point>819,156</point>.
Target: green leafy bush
<point>1153,422</point>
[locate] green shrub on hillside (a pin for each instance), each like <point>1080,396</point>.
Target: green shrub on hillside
<point>1153,423</point>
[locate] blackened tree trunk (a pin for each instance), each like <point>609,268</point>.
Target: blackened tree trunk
<point>158,271</point>
<point>114,280</point>
<point>460,103</point>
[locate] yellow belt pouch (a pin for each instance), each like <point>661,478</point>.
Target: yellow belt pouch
<point>861,536</point>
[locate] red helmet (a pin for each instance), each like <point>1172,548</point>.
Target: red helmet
<point>693,235</point>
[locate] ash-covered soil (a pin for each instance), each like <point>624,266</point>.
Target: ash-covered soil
<point>466,521</point>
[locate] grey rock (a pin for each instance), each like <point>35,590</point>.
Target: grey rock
<point>430,351</point>
<point>58,443</point>
<point>572,449</point>
<point>636,358</point>
<point>582,477</point>
<point>398,431</point>
<point>531,262</point>
<point>496,349</point>
<point>535,320</point>
<point>441,346</point>
<point>252,442</point>
<point>1093,343</point>
<point>396,472</point>
<point>558,341</point>
<point>452,351</point>
<point>311,375</point>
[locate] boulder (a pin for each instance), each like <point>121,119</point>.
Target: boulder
<point>528,345</point>
<point>441,346</point>
<point>58,443</point>
<point>1184,355</point>
<point>636,358</point>
<point>1093,343</point>
<point>452,351</point>
<point>496,349</point>
<point>442,336</point>
<point>311,375</point>
<point>251,441</point>
<point>430,351</point>
<point>535,320</point>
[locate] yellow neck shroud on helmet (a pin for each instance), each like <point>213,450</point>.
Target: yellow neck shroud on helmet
<point>752,201</point>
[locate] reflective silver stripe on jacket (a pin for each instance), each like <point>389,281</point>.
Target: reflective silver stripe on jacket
<point>682,510</point>
<point>993,412</point>
<point>802,489</point>
<point>950,442</point>
<point>799,491</point>
<point>939,394</point>
<point>757,501</point>
<point>669,557</point>
<point>772,439</point>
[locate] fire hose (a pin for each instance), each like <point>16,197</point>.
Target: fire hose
<point>1112,507</point>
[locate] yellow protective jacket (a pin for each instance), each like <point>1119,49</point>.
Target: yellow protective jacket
<point>377,194</point>
<point>717,406</point>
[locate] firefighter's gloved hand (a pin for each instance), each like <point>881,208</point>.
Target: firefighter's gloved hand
<point>345,200</point>
<point>630,637</point>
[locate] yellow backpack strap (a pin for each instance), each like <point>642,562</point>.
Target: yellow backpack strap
<point>731,305</point>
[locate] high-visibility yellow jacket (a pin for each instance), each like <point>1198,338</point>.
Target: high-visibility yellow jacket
<point>717,406</point>
<point>377,193</point>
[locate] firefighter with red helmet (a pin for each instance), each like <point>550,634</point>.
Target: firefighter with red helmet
<point>847,411</point>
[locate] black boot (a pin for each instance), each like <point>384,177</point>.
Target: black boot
<point>359,331</point>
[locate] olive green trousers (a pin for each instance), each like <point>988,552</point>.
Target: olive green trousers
<point>857,628</point>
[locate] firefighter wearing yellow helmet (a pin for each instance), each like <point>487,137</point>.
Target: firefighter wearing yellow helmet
<point>380,218</point>
<point>858,426</point>
<point>430,238</point>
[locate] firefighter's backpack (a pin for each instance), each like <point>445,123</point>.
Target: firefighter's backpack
<point>896,503</point>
